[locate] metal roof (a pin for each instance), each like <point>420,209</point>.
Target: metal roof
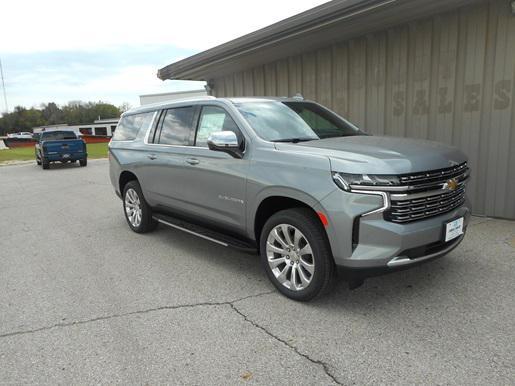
<point>326,24</point>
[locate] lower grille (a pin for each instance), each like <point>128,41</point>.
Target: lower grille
<point>402,211</point>
<point>424,250</point>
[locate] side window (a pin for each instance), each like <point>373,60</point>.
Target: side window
<point>143,121</point>
<point>214,119</point>
<point>177,126</point>
<point>101,131</point>
<point>130,125</point>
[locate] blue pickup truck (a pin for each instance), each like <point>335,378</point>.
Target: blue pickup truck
<point>60,146</point>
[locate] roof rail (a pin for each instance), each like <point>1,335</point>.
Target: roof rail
<point>157,105</point>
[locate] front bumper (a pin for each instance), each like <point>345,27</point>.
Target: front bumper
<point>372,243</point>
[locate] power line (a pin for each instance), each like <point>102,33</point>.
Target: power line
<point>3,87</point>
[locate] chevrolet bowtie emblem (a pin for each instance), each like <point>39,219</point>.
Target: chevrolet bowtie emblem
<point>451,184</point>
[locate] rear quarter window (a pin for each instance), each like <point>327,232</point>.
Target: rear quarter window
<point>130,125</point>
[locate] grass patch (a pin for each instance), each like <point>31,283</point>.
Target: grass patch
<point>95,150</point>
<point>17,154</point>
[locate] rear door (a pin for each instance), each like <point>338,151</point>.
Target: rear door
<point>167,151</point>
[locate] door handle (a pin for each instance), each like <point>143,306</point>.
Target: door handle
<point>192,161</point>
<point>152,156</point>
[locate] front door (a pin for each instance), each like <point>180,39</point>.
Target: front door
<point>214,182</point>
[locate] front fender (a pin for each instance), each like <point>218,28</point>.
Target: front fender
<point>277,191</point>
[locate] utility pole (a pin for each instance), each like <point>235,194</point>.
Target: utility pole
<point>3,86</point>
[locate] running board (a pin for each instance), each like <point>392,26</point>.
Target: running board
<point>205,233</point>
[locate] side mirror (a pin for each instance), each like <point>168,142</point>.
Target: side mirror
<point>225,141</point>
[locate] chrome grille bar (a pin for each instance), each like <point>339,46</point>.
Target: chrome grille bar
<point>411,183</point>
<point>425,196</point>
<point>434,175</point>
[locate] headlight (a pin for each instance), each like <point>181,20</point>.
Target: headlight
<point>346,180</point>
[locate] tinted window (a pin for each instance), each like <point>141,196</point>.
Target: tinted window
<point>58,135</point>
<point>177,126</point>
<point>130,125</point>
<point>291,121</point>
<point>100,130</point>
<point>214,119</point>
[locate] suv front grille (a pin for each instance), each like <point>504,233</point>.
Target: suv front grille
<point>425,197</point>
<point>435,178</point>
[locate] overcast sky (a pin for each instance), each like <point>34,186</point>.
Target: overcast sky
<point>106,50</point>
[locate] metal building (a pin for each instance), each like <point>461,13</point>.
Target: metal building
<point>437,69</point>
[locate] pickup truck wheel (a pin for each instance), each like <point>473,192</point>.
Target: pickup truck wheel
<point>46,164</point>
<point>137,212</point>
<point>83,162</point>
<point>296,255</point>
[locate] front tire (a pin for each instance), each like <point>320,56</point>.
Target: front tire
<point>46,164</point>
<point>137,212</point>
<point>83,162</point>
<point>296,255</point>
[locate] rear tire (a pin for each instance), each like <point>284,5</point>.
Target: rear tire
<point>296,255</point>
<point>137,212</point>
<point>83,162</point>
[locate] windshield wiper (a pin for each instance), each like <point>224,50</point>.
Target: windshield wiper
<point>294,140</point>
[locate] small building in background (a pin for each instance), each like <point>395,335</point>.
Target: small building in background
<point>101,128</point>
<point>169,96</point>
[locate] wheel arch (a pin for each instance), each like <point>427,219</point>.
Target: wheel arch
<point>124,178</point>
<point>276,201</point>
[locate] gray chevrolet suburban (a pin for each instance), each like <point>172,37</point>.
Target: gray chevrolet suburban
<point>294,181</point>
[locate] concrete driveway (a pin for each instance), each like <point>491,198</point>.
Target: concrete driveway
<point>85,300</point>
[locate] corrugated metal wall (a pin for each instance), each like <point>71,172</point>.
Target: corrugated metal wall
<point>450,78</point>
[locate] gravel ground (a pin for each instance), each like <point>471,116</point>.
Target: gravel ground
<point>84,300</point>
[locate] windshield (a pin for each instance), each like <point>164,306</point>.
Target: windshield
<point>278,121</point>
<point>58,135</point>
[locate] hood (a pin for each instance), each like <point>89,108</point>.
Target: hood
<point>380,155</point>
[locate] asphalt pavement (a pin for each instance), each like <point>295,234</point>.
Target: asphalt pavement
<point>84,300</point>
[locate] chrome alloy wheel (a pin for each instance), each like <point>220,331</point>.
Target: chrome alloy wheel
<point>290,257</point>
<point>133,207</point>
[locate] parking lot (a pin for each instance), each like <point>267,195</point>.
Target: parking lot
<point>85,300</point>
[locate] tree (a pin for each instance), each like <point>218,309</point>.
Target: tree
<point>52,113</point>
<point>125,107</point>
<point>74,113</point>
